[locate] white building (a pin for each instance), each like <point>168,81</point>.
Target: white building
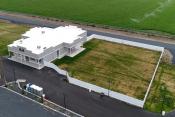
<point>46,44</point>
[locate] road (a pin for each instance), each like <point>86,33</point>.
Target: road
<point>14,105</point>
<point>39,22</point>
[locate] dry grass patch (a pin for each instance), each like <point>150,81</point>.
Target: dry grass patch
<point>127,69</point>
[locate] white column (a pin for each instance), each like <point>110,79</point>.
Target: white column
<point>21,58</point>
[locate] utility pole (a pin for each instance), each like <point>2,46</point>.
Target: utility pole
<point>109,86</point>
<point>64,99</point>
<point>14,74</point>
<point>2,76</point>
<point>163,96</point>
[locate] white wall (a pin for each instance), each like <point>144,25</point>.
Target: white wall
<point>119,96</point>
<point>126,42</point>
<point>56,68</point>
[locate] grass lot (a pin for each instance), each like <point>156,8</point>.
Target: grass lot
<point>134,14</point>
<point>8,33</point>
<point>162,98</point>
<point>129,69</point>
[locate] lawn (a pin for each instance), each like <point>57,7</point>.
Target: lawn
<point>8,33</point>
<point>162,94</point>
<point>149,15</point>
<point>127,69</point>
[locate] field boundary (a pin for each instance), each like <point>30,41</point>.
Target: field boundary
<point>113,94</point>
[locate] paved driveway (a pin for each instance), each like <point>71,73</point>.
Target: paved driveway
<point>76,98</point>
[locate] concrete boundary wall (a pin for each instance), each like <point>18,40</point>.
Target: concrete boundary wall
<point>113,94</point>
<point>116,95</point>
<point>56,68</point>
<point>153,77</point>
<point>126,42</point>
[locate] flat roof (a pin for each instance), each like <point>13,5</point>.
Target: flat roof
<point>40,38</point>
<point>14,105</point>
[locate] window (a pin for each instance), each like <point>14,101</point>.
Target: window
<point>41,61</point>
<point>27,58</point>
<point>32,59</point>
<point>11,54</point>
<point>21,49</point>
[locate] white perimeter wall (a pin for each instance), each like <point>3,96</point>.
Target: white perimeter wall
<point>116,95</point>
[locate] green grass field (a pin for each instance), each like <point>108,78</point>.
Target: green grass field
<point>157,15</point>
<point>8,33</point>
<point>128,69</point>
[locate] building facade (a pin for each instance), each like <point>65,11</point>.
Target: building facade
<point>46,44</point>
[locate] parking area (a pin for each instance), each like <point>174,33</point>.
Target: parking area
<point>70,96</point>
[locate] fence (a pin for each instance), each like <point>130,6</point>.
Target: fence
<point>56,68</point>
<point>119,96</point>
<point>126,42</point>
<point>116,95</point>
<point>13,86</point>
<point>61,109</point>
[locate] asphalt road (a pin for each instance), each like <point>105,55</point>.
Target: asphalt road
<point>14,105</point>
<point>37,22</point>
<point>77,99</point>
